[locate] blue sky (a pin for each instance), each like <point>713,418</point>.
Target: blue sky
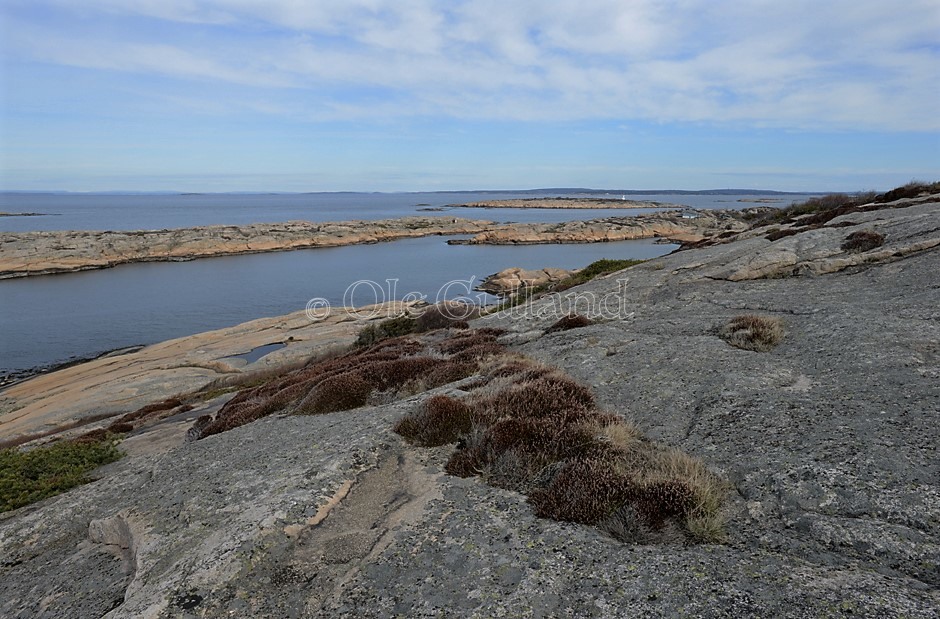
<point>392,95</point>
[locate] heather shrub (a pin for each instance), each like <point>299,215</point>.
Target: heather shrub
<point>465,340</point>
<point>337,393</point>
<point>752,332</point>
<point>548,395</point>
<point>393,327</point>
<point>571,321</point>
<point>584,491</point>
<point>442,316</point>
<point>777,234</point>
<point>449,372</point>
<point>152,410</point>
<point>120,428</point>
<point>395,373</point>
<point>479,352</point>
<point>863,240</point>
<point>441,420</point>
<point>911,190</point>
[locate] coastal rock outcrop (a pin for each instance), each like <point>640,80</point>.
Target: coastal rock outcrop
<point>903,227</point>
<point>42,253</point>
<point>829,439</point>
<point>677,226</point>
<point>512,279</point>
<point>66,401</point>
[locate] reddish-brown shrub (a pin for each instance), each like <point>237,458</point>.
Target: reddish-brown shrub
<point>465,340</point>
<point>441,420</point>
<point>776,235</point>
<point>92,436</point>
<point>441,316</point>
<point>479,351</point>
<point>395,373</point>
<point>337,393</point>
<point>910,190</point>
<point>585,491</point>
<point>449,372</point>
<point>658,501</point>
<point>120,428</point>
<point>150,409</point>
<point>571,321</point>
<point>545,396</point>
<point>863,240</point>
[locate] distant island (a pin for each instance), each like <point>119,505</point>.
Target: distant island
<point>572,203</point>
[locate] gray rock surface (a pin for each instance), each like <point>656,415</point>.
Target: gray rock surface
<point>830,440</point>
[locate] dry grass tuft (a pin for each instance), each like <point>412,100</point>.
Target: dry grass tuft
<point>752,332</point>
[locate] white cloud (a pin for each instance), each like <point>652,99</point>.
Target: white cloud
<point>850,64</point>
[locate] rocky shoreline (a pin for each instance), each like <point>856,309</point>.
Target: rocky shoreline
<point>44,253</point>
<point>25,254</point>
<point>673,226</point>
<point>80,393</point>
<point>828,440</point>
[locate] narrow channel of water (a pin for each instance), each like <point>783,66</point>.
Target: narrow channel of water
<point>50,319</point>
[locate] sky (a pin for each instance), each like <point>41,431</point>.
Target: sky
<point>420,95</point>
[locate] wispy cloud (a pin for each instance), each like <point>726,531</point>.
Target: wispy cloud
<point>848,64</point>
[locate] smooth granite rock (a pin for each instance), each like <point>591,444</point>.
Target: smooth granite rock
<point>830,440</point>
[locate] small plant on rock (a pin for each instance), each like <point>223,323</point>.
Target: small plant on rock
<point>571,321</point>
<point>752,332</point>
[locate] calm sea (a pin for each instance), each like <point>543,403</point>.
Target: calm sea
<point>52,319</point>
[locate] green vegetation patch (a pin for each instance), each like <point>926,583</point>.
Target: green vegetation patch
<point>605,266</point>
<point>30,476</point>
